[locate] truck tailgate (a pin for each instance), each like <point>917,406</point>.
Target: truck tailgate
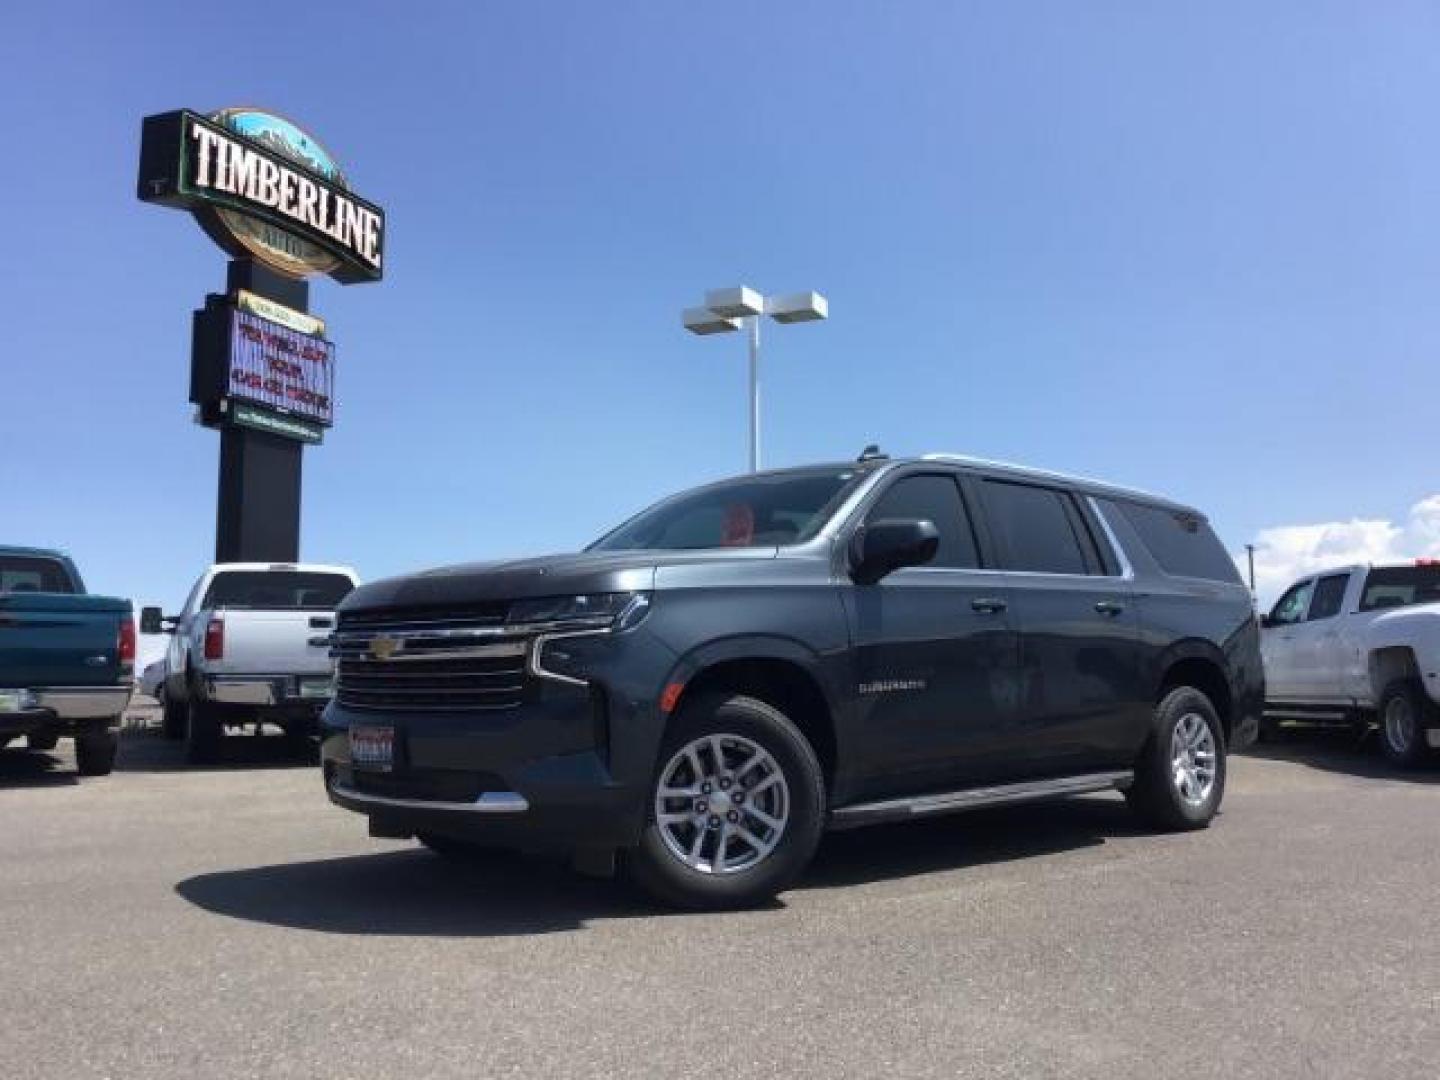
<point>59,639</point>
<point>273,643</point>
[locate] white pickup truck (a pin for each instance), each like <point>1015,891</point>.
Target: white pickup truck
<point>250,646</point>
<point>1360,643</point>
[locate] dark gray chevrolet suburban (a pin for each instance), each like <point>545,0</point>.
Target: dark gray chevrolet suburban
<point>710,686</point>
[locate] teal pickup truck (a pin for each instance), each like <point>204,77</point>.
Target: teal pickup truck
<point>67,659</point>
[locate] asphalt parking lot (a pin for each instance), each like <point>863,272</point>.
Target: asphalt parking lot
<point>171,922</point>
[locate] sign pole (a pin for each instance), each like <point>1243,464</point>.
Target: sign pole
<point>257,516</point>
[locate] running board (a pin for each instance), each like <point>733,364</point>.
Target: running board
<point>1302,713</point>
<point>951,802</point>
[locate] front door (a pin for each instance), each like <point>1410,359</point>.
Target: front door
<point>1281,641</point>
<point>935,651</point>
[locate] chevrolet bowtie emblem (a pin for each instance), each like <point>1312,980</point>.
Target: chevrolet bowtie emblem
<point>382,648</point>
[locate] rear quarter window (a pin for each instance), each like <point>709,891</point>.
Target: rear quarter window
<point>1181,542</point>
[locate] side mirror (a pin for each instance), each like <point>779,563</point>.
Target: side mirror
<point>883,546</point>
<point>153,622</point>
<point>1267,621</point>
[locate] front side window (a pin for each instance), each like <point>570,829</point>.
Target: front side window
<point>27,573</point>
<point>933,498</point>
<point>753,511</point>
<point>1329,595</point>
<point>277,590</point>
<point>1036,528</point>
<point>1400,586</point>
<point>1292,607</point>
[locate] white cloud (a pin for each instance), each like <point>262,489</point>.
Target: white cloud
<point>1286,552</point>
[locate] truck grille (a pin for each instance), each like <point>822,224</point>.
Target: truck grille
<point>440,663</point>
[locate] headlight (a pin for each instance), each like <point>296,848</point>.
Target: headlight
<point>619,610</point>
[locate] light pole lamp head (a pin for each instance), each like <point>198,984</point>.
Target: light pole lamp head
<point>701,320</point>
<point>737,303</point>
<point>799,307</point>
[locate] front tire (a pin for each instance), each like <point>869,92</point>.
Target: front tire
<point>95,751</point>
<point>735,810</point>
<point>1180,774</point>
<point>1404,709</point>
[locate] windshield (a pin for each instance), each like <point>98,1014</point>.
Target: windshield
<point>753,511</point>
<point>1400,586</point>
<point>277,590</point>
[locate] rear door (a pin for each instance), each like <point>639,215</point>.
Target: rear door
<point>1280,642</point>
<point>935,650</point>
<point>1082,698</point>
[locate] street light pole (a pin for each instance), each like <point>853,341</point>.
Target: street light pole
<point>740,308</point>
<point>754,393</point>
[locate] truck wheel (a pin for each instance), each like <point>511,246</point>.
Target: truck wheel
<point>1180,774</point>
<point>172,719</point>
<point>202,732</point>
<point>736,808</point>
<point>1403,711</point>
<point>95,751</point>
<point>38,741</point>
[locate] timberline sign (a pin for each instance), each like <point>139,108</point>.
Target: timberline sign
<point>262,188</point>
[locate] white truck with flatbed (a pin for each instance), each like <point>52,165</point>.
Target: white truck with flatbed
<point>250,646</point>
<point>1359,644</point>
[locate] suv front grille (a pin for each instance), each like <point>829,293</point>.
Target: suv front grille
<point>434,664</point>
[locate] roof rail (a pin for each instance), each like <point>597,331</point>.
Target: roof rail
<point>966,459</point>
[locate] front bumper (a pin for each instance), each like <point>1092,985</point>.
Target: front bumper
<point>541,775</point>
<point>61,708</point>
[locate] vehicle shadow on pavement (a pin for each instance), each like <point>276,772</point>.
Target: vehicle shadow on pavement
<point>1338,750</point>
<point>35,768</point>
<point>413,892</point>
<point>148,751</point>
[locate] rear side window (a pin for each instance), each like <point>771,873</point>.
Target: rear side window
<point>935,499</point>
<point>1181,542</point>
<point>26,573</point>
<point>1329,595</point>
<point>277,590</point>
<point>1037,530</point>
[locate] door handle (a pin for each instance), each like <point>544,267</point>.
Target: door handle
<point>988,605</point>
<point>1109,607</point>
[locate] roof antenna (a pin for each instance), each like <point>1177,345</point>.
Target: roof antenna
<point>872,453</point>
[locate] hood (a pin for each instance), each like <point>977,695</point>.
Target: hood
<point>523,579</point>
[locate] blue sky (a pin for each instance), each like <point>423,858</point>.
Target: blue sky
<point>1190,250</point>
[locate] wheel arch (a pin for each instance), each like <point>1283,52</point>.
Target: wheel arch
<point>1388,663</point>
<point>779,671</point>
<point>1202,665</point>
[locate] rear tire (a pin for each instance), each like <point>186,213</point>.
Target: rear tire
<point>1403,714</point>
<point>748,775</point>
<point>172,719</point>
<point>203,732</point>
<point>95,752</point>
<point>38,741</point>
<point>1180,774</point>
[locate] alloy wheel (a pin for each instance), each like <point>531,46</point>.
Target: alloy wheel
<point>1192,758</point>
<point>722,804</point>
